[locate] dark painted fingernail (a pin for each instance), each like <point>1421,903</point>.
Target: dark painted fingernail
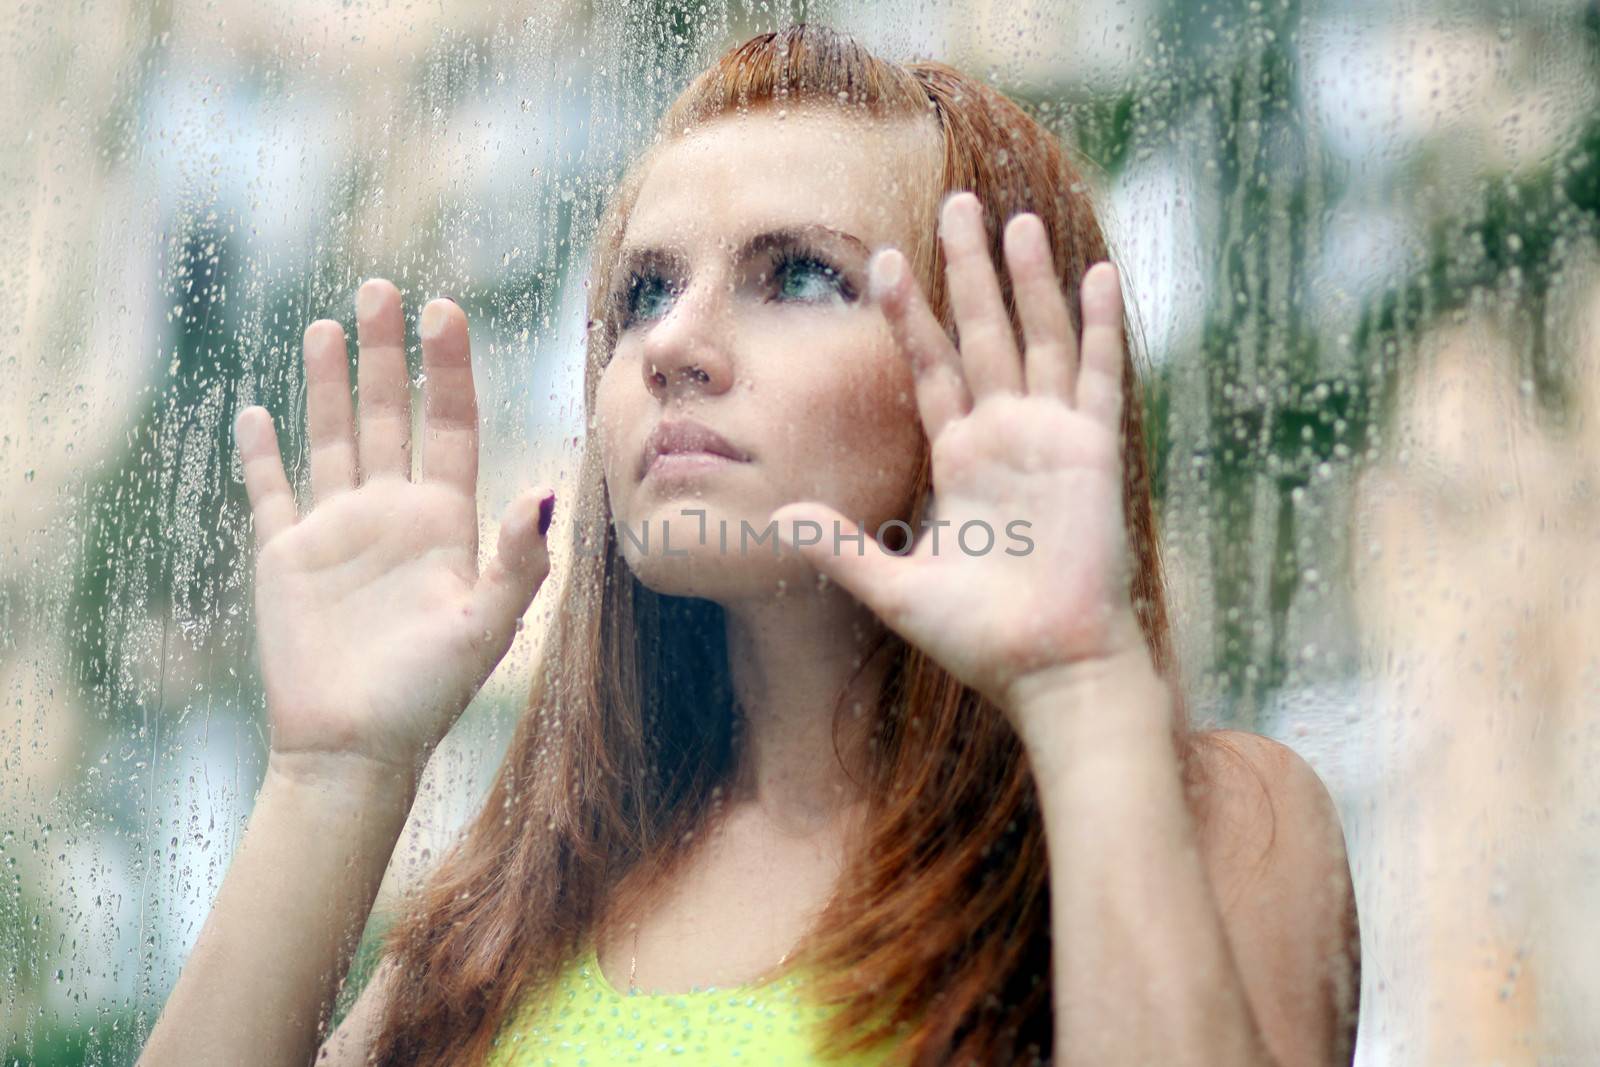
<point>547,508</point>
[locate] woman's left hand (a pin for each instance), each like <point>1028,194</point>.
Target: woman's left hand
<point>1028,583</point>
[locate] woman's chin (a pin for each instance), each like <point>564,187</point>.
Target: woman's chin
<point>708,572</point>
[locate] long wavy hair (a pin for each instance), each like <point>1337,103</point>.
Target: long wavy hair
<point>630,736</point>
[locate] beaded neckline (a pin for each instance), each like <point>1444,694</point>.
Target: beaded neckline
<point>591,964</point>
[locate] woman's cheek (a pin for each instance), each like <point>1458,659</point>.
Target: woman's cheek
<point>612,423</point>
<point>862,430</point>
<point>881,395</point>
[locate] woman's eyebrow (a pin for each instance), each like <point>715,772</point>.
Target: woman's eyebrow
<point>638,256</point>
<point>634,259</point>
<point>790,234</point>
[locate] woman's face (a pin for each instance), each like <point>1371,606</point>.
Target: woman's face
<point>742,309</point>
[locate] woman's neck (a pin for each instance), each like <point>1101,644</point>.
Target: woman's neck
<point>793,658</point>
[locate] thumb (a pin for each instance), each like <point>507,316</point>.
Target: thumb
<point>845,552</point>
<point>520,564</point>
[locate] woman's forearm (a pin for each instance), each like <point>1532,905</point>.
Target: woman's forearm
<point>1142,969</point>
<point>260,983</point>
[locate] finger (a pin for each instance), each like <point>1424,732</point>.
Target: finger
<point>520,564</point>
<point>988,345</point>
<point>1051,356</point>
<point>1100,376</point>
<point>328,417</point>
<point>271,499</point>
<point>384,446</point>
<point>864,568</point>
<point>941,387</point>
<point>449,399</point>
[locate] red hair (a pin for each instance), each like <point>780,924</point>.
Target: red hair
<point>629,732</point>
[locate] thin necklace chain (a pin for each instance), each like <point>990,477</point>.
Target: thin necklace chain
<point>633,964</point>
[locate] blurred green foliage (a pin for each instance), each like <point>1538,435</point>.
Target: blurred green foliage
<point>1278,416</point>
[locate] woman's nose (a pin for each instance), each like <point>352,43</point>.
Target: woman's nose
<point>685,350</point>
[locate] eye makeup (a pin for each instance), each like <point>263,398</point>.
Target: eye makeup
<point>645,275</point>
<point>798,260</point>
<point>795,268</point>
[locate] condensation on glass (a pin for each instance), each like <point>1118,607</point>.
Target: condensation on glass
<point>1362,244</point>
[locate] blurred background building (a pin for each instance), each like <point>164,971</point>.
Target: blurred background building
<point>1361,242</point>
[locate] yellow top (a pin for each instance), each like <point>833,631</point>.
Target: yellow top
<point>584,1022</point>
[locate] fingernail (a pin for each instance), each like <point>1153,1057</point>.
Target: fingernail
<point>432,324</point>
<point>886,271</point>
<point>1102,279</point>
<point>453,300</point>
<point>1026,225</point>
<point>547,508</point>
<point>246,430</point>
<point>368,297</point>
<point>961,202</point>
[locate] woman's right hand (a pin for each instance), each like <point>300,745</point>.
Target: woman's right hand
<point>374,625</point>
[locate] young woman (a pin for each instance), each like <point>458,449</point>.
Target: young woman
<point>841,791</point>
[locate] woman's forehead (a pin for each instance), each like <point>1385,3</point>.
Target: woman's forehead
<point>869,177</point>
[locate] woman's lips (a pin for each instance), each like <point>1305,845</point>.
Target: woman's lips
<point>684,445</point>
<point>669,463</point>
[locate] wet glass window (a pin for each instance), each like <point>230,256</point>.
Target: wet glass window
<point>738,530</point>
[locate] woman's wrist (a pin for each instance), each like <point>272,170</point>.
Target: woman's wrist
<point>1083,711</point>
<point>362,778</point>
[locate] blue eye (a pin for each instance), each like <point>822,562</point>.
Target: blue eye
<point>647,297</point>
<point>797,276</point>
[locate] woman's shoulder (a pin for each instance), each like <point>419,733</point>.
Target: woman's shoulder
<point>1239,771</point>
<point>1261,810</point>
<point>1274,851</point>
<point>350,1042</point>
